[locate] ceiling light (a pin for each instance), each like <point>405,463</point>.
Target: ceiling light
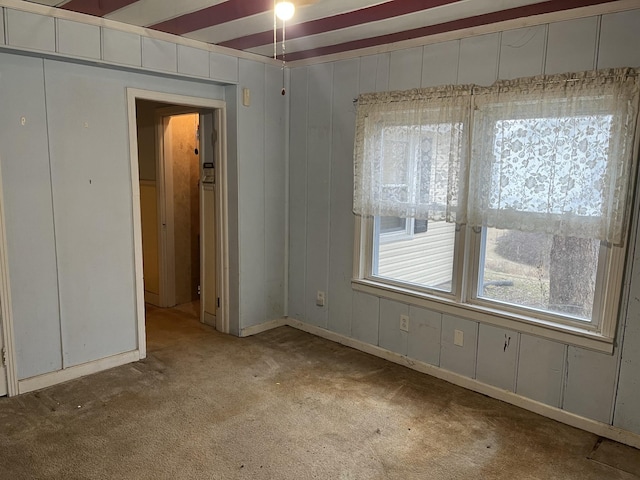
<point>285,10</point>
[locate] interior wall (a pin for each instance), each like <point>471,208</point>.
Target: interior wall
<point>322,118</point>
<point>67,198</point>
<point>185,165</point>
<point>260,161</point>
<point>67,181</point>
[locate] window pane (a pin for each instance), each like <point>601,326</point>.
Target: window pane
<point>392,224</point>
<point>422,255</point>
<point>541,271</point>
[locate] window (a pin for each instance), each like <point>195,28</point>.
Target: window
<point>508,202</point>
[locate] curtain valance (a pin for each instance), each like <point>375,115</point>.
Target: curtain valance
<point>548,153</point>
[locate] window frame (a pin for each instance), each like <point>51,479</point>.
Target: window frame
<point>463,302</point>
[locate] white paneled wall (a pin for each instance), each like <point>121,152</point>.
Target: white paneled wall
<point>261,166</point>
<point>40,33</point>
<point>274,193</point>
<point>345,75</point>
<point>320,88</point>
<point>261,194</point>
<point>68,205</point>
<point>30,31</point>
<point>68,188</point>
<point>251,170</point>
<point>593,385</point>
<point>28,208</point>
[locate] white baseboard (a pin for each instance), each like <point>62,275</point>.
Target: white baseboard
<point>263,327</point>
<point>554,413</point>
<point>209,319</point>
<point>152,298</point>
<point>77,371</point>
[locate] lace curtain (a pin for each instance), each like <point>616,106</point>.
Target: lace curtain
<point>555,154</point>
<point>552,154</point>
<point>410,153</point>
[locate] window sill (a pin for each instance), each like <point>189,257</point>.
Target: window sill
<point>559,333</point>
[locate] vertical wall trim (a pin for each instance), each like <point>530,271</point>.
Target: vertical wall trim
<point>306,195</point>
<point>475,362</point>
<point>516,370</point>
<point>565,376</point>
<point>497,72</point>
<point>287,135</point>
<point>53,211</point>
<point>3,12</point>
<point>6,308</point>
<point>265,73</point>
<point>458,61</point>
<point>545,49</point>
<point>330,159</point>
<point>596,50</point>
<point>421,66</point>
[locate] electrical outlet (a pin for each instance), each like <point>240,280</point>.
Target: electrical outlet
<point>458,338</point>
<point>404,323</point>
<point>320,298</point>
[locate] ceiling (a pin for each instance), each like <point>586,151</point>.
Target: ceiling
<point>324,27</point>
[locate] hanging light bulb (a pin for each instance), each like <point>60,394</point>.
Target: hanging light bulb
<point>285,10</point>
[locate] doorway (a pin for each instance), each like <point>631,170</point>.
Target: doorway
<point>178,167</point>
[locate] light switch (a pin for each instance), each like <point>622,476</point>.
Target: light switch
<point>246,97</point>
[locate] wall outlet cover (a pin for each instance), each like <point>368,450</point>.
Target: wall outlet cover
<point>404,323</point>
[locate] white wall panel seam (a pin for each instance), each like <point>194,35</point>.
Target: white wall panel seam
<point>440,349</point>
<point>330,162</point>
<point>53,212</point>
<point>545,49</point>
<point>287,136</point>
<point>516,369</point>
<point>264,191</point>
<point>475,362</point>
<point>499,59</point>
<point>306,198</point>
<point>102,43</point>
<point>352,291</point>
<point>422,66</point>
<point>596,50</point>
<point>565,379</point>
<point>458,63</point>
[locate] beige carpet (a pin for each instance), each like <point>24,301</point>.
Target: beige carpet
<point>280,405</point>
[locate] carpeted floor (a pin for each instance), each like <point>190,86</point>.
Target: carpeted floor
<point>280,405</point>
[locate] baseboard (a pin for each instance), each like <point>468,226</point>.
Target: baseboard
<point>263,327</point>
<point>152,298</point>
<point>554,413</point>
<point>209,319</point>
<point>77,371</point>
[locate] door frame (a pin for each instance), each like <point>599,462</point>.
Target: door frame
<point>222,220</point>
<point>6,310</point>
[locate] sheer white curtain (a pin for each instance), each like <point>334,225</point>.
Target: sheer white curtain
<point>410,153</point>
<point>554,154</point>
